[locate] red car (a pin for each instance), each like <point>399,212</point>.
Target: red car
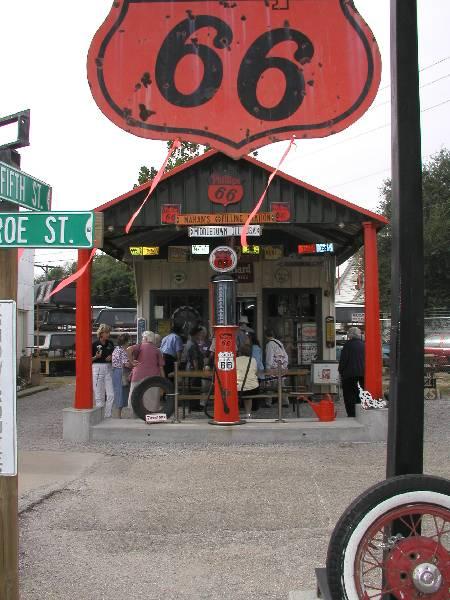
<point>438,345</point>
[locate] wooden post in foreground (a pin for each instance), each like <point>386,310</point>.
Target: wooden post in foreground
<point>9,530</point>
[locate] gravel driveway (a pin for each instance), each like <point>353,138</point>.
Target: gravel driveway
<point>192,522</point>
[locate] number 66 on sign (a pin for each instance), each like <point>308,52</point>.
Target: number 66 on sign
<point>236,75</point>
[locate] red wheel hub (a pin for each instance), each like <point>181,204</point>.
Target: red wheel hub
<point>407,561</point>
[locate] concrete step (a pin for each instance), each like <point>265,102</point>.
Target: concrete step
<point>254,431</point>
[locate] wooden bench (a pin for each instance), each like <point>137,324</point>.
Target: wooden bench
<point>187,398</point>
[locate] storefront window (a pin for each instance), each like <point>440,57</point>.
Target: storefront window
<point>294,316</point>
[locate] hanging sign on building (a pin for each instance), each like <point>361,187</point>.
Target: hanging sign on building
<point>244,272</point>
<point>281,211</point>
<point>223,259</point>
<point>8,427</point>
<point>235,75</point>
<point>144,250</point>
<point>273,252</point>
<point>169,213</point>
<point>223,218</point>
<point>225,189</point>
<point>225,231</point>
<point>178,254</point>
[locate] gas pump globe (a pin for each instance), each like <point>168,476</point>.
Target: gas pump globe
<point>226,406</point>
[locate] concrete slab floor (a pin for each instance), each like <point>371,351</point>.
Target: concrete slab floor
<point>42,472</point>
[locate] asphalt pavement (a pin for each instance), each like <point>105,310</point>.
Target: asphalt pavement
<point>129,521</point>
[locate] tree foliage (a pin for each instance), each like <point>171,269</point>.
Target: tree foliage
<point>112,281</point>
<point>56,273</point>
<point>436,209</point>
<point>187,151</point>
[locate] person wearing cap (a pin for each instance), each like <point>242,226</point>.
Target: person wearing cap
<point>242,336</point>
<point>351,369</point>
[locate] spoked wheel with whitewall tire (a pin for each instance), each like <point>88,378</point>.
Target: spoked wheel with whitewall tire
<point>153,395</point>
<point>393,542</point>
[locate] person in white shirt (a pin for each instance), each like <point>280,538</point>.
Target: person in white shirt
<point>247,377</point>
<point>276,356</point>
<point>275,352</point>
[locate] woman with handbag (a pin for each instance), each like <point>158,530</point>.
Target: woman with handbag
<point>121,373</point>
<point>147,361</point>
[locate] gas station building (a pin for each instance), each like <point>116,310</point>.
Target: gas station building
<point>285,277</point>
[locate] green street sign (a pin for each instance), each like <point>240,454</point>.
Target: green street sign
<point>24,190</point>
<point>47,230</point>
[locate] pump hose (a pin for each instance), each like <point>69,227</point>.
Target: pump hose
<point>226,408</point>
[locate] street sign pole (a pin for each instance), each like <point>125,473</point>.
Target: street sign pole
<point>9,533</point>
<point>406,397</point>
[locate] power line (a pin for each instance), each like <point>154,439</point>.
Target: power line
<point>385,170</point>
<point>436,105</point>
<point>359,178</point>
<point>437,62</point>
<point>422,86</point>
<point>363,133</point>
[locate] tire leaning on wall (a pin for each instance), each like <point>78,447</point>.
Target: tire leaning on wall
<point>167,401</point>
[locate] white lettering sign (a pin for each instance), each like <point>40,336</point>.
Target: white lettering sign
<point>156,418</point>
<point>225,361</point>
<point>222,231</point>
<point>8,427</point>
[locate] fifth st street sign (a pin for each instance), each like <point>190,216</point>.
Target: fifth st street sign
<point>24,190</point>
<point>47,230</point>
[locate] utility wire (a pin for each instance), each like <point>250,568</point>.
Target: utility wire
<point>385,170</point>
<point>422,86</point>
<point>363,133</point>
<point>437,62</point>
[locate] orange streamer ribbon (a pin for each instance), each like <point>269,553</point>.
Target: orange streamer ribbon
<point>68,280</point>
<point>260,201</point>
<point>155,182</point>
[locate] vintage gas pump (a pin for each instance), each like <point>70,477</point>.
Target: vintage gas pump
<point>226,406</point>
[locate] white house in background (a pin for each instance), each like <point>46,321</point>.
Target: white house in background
<point>25,304</point>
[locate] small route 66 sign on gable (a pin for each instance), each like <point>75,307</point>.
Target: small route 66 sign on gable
<point>237,74</point>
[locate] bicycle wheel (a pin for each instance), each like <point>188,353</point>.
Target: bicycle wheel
<point>393,542</point>
<point>145,397</point>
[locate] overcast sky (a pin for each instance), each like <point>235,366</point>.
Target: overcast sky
<point>88,160</point>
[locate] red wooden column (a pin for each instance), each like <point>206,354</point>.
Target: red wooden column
<point>83,385</point>
<point>373,371</point>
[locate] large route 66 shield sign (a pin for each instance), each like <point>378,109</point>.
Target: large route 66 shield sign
<point>235,74</point>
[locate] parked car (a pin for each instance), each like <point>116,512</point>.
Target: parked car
<point>96,311</point>
<point>54,319</point>
<point>437,345</point>
<point>119,319</point>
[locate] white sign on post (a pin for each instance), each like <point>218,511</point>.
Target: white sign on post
<point>8,426</point>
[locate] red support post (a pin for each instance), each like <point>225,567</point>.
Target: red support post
<point>83,384</point>
<point>373,370</point>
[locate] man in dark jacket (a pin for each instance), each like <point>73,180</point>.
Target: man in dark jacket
<point>351,369</point>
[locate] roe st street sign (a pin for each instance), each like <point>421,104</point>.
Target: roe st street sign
<point>24,190</point>
<point>47,230</point>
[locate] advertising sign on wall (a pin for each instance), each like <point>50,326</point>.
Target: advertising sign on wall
<point>169,213</point>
